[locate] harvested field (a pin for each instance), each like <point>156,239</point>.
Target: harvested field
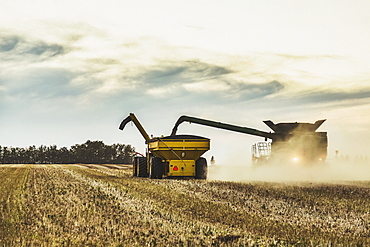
<point>102,205</point>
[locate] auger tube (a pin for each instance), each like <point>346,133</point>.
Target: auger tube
<point>220,125</point>
<point>133,118</point>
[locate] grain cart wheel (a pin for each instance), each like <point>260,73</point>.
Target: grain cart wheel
<point>135,162</point>
<point>201,168</point>
<point>142,171</point>
<point>156,168</point>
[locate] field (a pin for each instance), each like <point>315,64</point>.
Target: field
<point>102,205</point>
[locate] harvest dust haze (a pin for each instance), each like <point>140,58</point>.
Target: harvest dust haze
<point>330,171</point>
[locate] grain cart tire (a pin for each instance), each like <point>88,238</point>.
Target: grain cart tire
<point>135,162</point>
<point>156,168</point>
<point>142,170</point>
<point>201,168</point>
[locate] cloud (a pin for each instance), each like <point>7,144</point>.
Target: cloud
<point>308,57</point>
<point>200,79</point>
<point>42,49</point>
<point>155,80</point>
<point>357,94</point>
<point>183,71</point>
<point>330,96</point>
<point>218,79</point>
<point>248,91</point>
<point>43,83</point>
<point>184,78</point>
<point>16,48</point>
<point>8,43</point>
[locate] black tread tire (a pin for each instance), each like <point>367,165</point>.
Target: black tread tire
<point>156,168</point>
<point>201,168</point>
<point>135,162</point>
<point>142,170</point>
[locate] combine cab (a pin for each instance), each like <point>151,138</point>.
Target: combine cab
<point>170,156</point>
<point>261,152</point>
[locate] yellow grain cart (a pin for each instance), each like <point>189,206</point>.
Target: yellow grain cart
<point>170,156</point>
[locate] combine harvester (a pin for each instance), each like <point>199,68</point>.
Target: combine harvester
<point>170,156</point>
<point>290,142</point>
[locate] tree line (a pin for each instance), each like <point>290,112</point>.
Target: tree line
<point>90,152</point>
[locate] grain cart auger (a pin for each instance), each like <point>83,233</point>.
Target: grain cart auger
<point>170,156</point>
<point>290,142</point>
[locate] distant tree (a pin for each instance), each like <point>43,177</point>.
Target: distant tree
<point>65,156</point>
<point>109,154</point>
<point>119,153</point>
<point>94,152</point>
<point>128,154</point>
<point>6,155</point>
<point>53,155</point>
<point>33,155</point>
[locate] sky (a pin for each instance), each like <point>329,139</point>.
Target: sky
<point>71,71</point>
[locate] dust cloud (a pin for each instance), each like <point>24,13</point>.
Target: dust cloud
<point>274,172</point>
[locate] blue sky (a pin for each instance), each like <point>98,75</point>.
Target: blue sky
<point>72,70</point>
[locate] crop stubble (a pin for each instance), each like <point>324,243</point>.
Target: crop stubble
<point>53,205</point>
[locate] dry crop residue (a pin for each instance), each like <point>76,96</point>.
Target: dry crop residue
<point>12,184</point>
<point>54,205</point>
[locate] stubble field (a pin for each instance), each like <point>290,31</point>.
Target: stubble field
<point>102,205</point>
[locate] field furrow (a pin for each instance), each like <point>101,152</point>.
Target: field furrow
<point>103,205</point>
<point>345,210</point>
<point>278,212</point>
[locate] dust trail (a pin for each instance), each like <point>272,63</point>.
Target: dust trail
<point>333,171</point>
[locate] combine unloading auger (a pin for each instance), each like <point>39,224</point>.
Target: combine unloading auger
<point>289,141</point>
<point>170,156</point>
<point>219,125</point>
